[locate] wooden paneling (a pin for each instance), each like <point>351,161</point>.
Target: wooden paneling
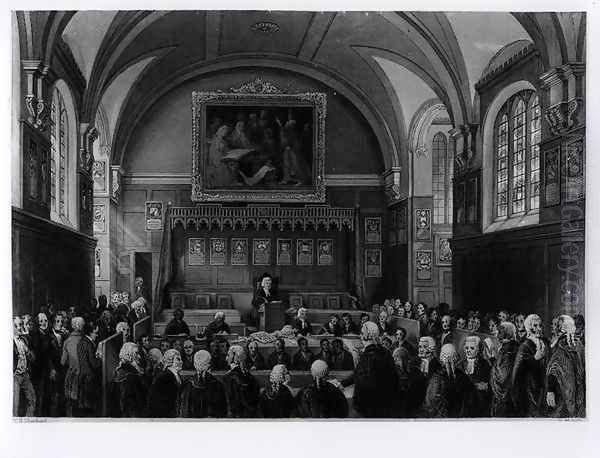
<point>50,264</point>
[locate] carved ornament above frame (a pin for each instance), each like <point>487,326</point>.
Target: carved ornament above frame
<point>232,159</point>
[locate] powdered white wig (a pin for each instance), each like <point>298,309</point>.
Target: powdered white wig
<point>77,323</point>
<point>319,370</point>
<point>154,354</point>
<point>529,321</point>
<point>128,353</point>
<point>279,375</point>
<point>122,326</point>
<point>566,324</point>
<point>236,355</point>
<point>301,310</point>
<point>219,314</point>
<point>169,357</point>
<point>448,354</point>
<point>202,360</point>
<point>430,342</point>
<point>369,331</point>
<point>474,339</point>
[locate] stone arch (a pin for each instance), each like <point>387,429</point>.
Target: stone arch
<point>374,118</point>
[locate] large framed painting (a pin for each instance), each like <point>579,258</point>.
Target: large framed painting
<point>258,147</point>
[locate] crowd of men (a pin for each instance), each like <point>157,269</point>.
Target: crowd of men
<point>518,372</point>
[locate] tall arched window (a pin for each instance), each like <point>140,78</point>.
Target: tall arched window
<point>441,180</point>
<point>517,155</point>
<point>59,165</point>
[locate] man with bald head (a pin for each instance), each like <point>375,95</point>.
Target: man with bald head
<point>203,396</point>
<point>565,374</point>
<point>241,386</point>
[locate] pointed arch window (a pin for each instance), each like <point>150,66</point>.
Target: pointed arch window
<point>59,139</point>
<point>517,133</point>
<point>442,168</point>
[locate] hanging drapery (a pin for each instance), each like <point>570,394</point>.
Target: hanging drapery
<point>165,265</point>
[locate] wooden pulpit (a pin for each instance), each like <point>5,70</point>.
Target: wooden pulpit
<point>274,316</point>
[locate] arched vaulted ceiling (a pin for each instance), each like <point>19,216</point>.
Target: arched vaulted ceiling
<point>130,58</point>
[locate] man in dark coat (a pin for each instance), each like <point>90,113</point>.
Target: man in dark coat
<point>304,357</point>
<point>501,371</point>
<point>128,389</point>
<point>529,371</point>
<point>163,399</point>
<point>177,326</point>
<point>341,359</point>
<point>264,294</point>
<point>325,353</point>
<point>447,334</point>
<point>276,400</point>
<point>332,327</point>
<point>321,399</point>
<point>375,377</point>
<point>43,370</point>
<point>217,326</point>
<point>203,396</point>
<point>565,374</point>
<point>241,386</point>
<point>477,369</point>
<point>256,361</point>
<point>279,356</point>
<point>90,372</point>
<point>348,326</point>
<point>420,375</point>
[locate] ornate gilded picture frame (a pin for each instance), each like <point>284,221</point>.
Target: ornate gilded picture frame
<point>258,144</point>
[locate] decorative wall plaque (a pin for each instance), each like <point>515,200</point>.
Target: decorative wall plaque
<point>197,252</point>
<point>423,264</point>
<point>304,252</point>
<point>218,251</point>
<point>239,252</point>
<point>154,216</point>
<point>575,172</point>
<point>258,146</point>
<point>99,218</point>
<point>552,177</point>
<point>100,176</point>
<point>443,251</point>
<point>261,252</point>
<point>373,229</point>
<point>284,252</point>
<point>97,265</point>
<point>373,262</point>
<point>423,224</point>
<point>325,256</point>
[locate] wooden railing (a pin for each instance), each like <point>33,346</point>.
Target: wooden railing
<point>267,216</point>
<point>142,327</point>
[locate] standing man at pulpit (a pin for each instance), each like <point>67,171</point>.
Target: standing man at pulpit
<point>263,294</point>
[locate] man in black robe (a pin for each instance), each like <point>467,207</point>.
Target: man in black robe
<point>565,374</point>
<point>529,371</point>
<point>203,396</point>
<point>276,400</point>
<point>163,399</point>
<point>301,324</point>
<point>127,393</point>
<point>420,375</point>
<point>43,369</point>
<point>348,326</point>
<point>477,396</point>
<point>501,371</point>
<point>321,399</point>
<point>375,377</point>
<point>264,294</point>
<point>241,386</point>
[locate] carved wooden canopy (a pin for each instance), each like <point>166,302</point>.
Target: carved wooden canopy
<point>263,217</point>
